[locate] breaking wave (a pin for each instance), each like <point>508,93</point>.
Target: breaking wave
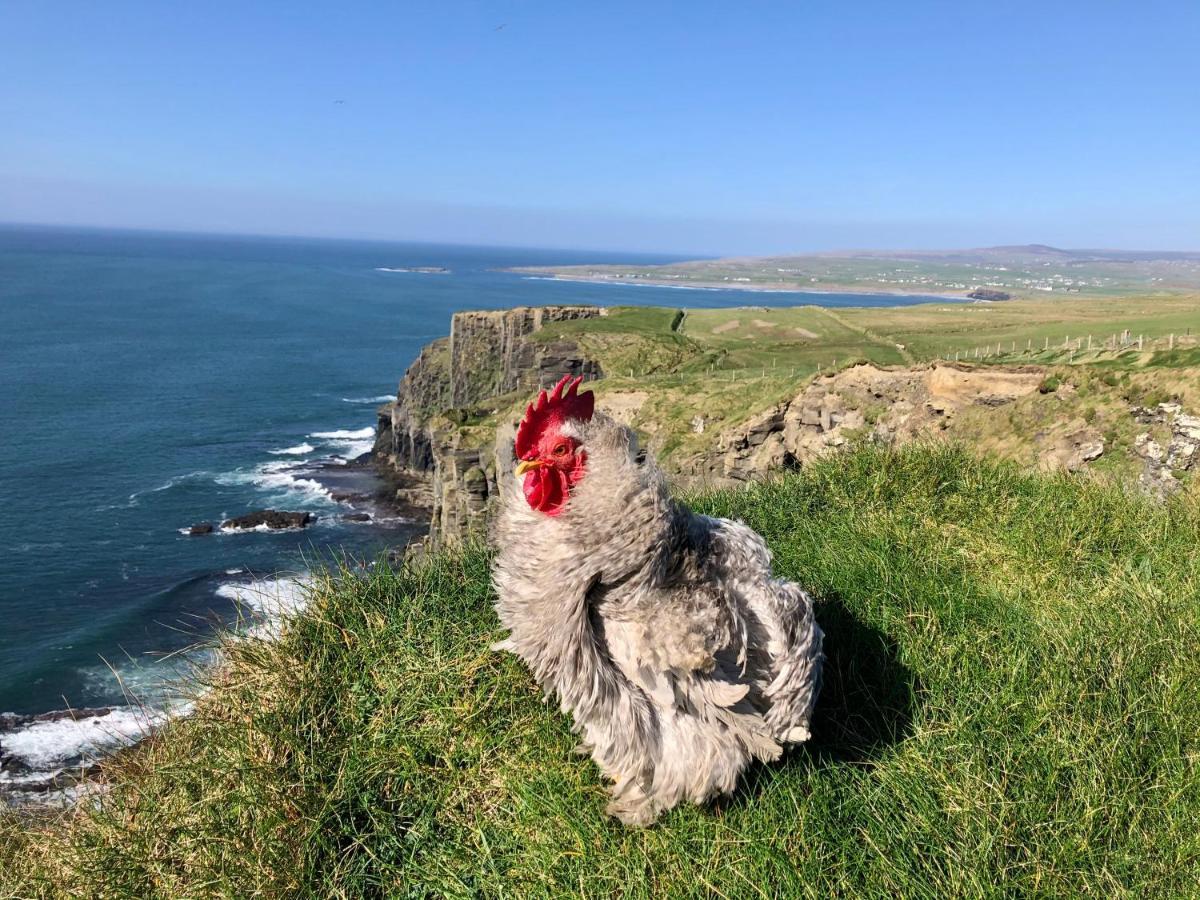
<point>348,443</point>
<point>274,599</point>
<point>298,450</point>
<point>345,435</point>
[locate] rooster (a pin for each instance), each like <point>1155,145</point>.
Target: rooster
<point>662,632</point>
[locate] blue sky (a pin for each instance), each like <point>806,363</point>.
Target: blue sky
<point>683,127</point>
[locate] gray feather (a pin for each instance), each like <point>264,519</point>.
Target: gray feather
<point>663,633</point>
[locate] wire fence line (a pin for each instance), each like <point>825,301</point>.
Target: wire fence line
<point>1085,347</point>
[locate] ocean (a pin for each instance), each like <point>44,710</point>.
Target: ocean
<point>152,381</point>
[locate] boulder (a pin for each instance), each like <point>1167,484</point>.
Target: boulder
<point>271,519</point>
<point>1070,449</point>
<point>202,528</point>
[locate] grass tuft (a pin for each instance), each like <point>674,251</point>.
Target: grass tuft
<point>1010,708</point>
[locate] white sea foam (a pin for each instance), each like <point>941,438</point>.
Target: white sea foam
<point>261,529</point>
<point>348,443</point>
<point>382,398</point>
<point>355,449</point>
<point>283,481</point>
<point>136,496</point>
<point>52,745</point>
<point>275,599</point>
<point>345,435</point>
<point>298,450</point>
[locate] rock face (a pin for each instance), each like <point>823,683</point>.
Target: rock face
<point>889,404</point>
<point>491,353</point>
<point>487,355</point>
<point>270,519</point>
<point>1162,465</point>
<point>1072,451</point>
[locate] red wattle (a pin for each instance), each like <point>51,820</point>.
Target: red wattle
<point>546,489</point>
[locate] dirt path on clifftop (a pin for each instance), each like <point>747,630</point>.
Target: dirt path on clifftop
<point>867,333</point>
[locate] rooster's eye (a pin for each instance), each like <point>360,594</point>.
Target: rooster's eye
<point>560,450</point>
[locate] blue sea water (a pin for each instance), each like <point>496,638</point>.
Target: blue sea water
<point>150,381</point>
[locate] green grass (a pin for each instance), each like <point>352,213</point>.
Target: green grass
<point>931,330</point>
<point>1011,708</point>
<point>726,365</point>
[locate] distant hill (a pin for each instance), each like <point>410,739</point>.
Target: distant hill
<point>1025,270</point>
<point>1020,252</point>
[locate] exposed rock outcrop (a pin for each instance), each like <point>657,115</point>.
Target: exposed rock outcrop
<point>889,404</point>
<point>1081,444</point>
<point>269,519</point>
<point>1162,465</point>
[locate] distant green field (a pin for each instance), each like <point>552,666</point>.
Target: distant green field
<point>932,329</point>
<point>794,341</point>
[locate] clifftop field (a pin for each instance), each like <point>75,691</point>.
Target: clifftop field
<point>1010,708</point>
<point>691,379</point>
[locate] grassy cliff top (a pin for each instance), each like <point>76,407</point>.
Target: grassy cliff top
<point>1010,706</point>
<point>666,369</point>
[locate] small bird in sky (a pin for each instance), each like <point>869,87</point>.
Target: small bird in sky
<point>500,27</point>
<point>339,102</point>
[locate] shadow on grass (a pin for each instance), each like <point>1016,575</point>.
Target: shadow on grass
<point>865,707</point>
<point>867,696</point>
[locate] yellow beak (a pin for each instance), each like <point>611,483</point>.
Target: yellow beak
<point>526,465</point>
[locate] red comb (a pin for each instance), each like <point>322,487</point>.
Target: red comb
<point>562,403</point>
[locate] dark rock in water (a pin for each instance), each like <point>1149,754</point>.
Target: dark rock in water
<point>76,715</point>
<point>357,517</point>
<point>988,294</point>
<point>202,528</point>
<point>272,519</point>
<point>349,497</point>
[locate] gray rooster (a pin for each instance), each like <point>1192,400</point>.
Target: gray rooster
<point>661,631</point>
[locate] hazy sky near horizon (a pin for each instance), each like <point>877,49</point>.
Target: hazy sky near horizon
<point>705,127</point>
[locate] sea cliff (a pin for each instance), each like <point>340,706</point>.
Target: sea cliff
<point>438,428</point>
<point>724,397</point>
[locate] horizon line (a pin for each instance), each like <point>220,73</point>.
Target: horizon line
<point>689,255</point>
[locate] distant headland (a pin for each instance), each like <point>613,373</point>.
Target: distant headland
<point>989,273</point>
